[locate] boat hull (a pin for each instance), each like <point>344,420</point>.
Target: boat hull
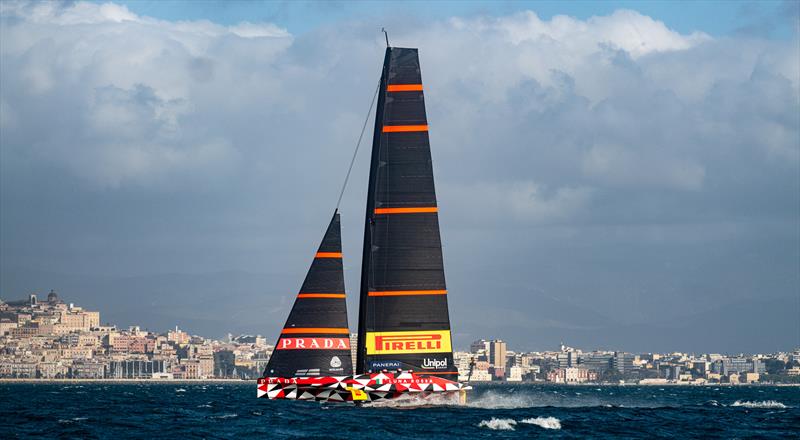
<point>418,389</point>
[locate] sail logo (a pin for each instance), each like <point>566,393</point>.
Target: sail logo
<point>385,365</point>
<point>313,344</point>
<point>431,341</point>
<point>434,364</point>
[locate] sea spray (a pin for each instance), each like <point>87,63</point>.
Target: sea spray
<point>764,404</point>
<point>500,400</point>
<point>544,422</point>
<point>498,424</point>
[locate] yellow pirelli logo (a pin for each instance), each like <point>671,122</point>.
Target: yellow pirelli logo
<point>430,341</point>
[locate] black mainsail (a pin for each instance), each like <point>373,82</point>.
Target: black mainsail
<point>315,341</point>
<point>403,315</point>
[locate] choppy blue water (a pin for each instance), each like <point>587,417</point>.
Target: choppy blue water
<point>210,410</point>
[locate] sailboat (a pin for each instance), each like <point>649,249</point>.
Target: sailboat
<point>404,346</point>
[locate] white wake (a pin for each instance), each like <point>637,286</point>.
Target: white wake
<point>544,422</point>
<point>769,404</point>
<point>498,424</point>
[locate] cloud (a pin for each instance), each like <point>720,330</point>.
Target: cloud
<point>619,166</point>
<point>561,147</point>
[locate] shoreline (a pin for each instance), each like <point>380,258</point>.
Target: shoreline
<point>252,381</point>
<point>29,380</point>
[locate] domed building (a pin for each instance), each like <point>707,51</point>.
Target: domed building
<point>53,299</point>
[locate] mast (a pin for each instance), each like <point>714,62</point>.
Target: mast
<point>365,256</point>
<point>315,341</point>
<point>403,315</point>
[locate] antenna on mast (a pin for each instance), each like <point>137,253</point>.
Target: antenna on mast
<point>386,34</point>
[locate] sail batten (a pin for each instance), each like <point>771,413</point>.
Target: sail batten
<point>403,315</point>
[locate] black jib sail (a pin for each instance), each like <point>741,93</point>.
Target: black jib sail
<point>403,317</point>
<point>315,341</point>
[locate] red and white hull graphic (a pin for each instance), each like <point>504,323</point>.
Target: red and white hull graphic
<point>366,387</point>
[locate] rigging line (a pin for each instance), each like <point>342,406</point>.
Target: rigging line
<point>358,144</point>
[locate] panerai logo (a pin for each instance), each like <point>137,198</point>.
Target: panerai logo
<point>434,364</point>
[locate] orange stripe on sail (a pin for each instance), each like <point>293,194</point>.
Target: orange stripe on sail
<point>328,255</point>
<point>320,295</point>
<point>404,88</point>
<point>326,330</point>
<point>406,210</point>
<point>402,128</point>
<point>407,292</point>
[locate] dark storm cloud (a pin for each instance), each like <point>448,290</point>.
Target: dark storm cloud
<point>609,181</point>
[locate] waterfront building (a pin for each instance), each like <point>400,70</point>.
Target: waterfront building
<point>749,377</point>
<point>623,362</point>
<point>596,361</point>
<point>738,365</point>
<point>567,359</point>
<point>135,369</point>
<point>571,375</point>
<point>480,375</point>
<point>514,374</point>
<point>18,368</point>
<point>51,370</point>
<point>88,370</point>
<point>497,354</point>
<point>462,360</point>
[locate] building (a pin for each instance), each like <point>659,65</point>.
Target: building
<point>497,354</point>
<point>738,365</point>
<point>480,346</point>
<point>178,336</point>
<point>623,362</point>
<point>514,374</point>
<point>567,359</point>
<point>596,361</point>
<point>135,369</point>
<point>88,370</point>
<point>571,375</point>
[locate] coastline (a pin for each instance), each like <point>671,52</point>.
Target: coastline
<point>252,381</point>
<point>28,380</point>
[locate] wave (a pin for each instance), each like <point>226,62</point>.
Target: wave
<point>225,416</point>
<point>411,401</point>
<point>544,422</point>
<point>768,404</point>
<point>498,424</point>
<point>180,390</point>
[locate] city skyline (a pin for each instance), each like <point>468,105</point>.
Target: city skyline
<point>606,174</point>
<point>467,347</point>
<point>47,338</point>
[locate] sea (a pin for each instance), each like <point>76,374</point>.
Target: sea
<point>189,410</point>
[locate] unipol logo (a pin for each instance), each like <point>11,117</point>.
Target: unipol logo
<point>433,341</point>
<point>314,344</point>
<point>434,364</point>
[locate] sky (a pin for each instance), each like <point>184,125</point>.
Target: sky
<point>613,175</point>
